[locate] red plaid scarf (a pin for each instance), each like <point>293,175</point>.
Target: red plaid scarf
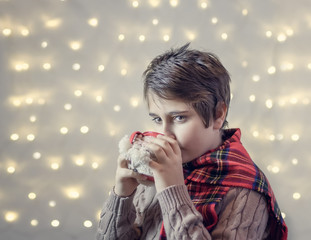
<point>209,178</point>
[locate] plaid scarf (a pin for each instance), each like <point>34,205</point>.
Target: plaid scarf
<point>210,177</point>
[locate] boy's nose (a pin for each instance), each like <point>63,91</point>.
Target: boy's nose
<point>168,131</point>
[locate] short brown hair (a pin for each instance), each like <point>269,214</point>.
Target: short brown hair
<point>196,77</point>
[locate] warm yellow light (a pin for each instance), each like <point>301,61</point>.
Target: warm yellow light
<point>34,222</point>
<point>142,38</point>
<point>121,37</point>
<point>32,118</point>
<point>55,166</point>
<point>296,196</point>
<point>289,32</point>
<point>293,100</point>
<point>14,137</point>
<point>112,132</point>
<point>166,37</point>
<point>25,32</point>
<point>32,196</point>
<point>256,78</point>
<point>36,155</point>
<point>44,44</point>
<point>154,3</point>
<point>84,129</point>
<point>271,70</point>
<point>252,98</point>
<point>16,102</point>
<point>31,137</point>
<point>95,165</point>
<point>73,194</point>
<point>46,66</point>
<point>155,21</point>
<point>10,169</point>
<point>23,66</point>
<point>97,215</point>
<point>117,108</point>
<point>191,36</point>
<point>41,101</point>
<point>64,130</point>
<point>93,22</point>
<point>11,216</point>
<point>282,102</point>
<point>295,137</point>
<point>203,4</point>
<point>214,20</point>
<point>271,137</point>
<point>174,3</point>
<point>287,66</point>
<point>283,215</point>
<point>7,32</point>
<point>255,134</point>
<point>275,169</point>
<point>281,37</point>
<point>55,223</point>
<point>134,101</point>
<point>87,223</point>
<point>75,45</point>
<point>123,72</point>
<point>224,36</point>
<point>244,12</point>
<point>76,66</point>
<point>99,98</point>
<point>135,4</point>
<point>68,106</point>
<point>52,203</point>
<point>53,23</point>
<point>101,68</point>
<point>269,103</point>
<point>78,93</point>
<point>306,101</point>
<point>294,161</point>
<point>29,100</point>
<point>268,34</point>
<point>79,161</point>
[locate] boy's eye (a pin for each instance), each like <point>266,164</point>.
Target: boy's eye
<point>157,120</point>
<point>179,118</point>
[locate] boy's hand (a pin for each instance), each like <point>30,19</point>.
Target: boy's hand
<point>167,169</point>
<point>126,180</point>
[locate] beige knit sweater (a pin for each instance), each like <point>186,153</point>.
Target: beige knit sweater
<point>242,214</point>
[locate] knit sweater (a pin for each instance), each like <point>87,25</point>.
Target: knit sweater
<point>225,196</point>
<point>242,214</point>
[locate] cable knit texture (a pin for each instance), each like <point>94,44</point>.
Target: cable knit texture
<point>242,214</point>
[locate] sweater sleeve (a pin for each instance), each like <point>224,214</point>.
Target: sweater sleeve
<point>242,214</point>
<point>180,217</point>
<point>117,219</point>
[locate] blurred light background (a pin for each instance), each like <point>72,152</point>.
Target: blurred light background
<point>71,89</point>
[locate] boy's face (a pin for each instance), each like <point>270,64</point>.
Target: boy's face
<point>177,119</point>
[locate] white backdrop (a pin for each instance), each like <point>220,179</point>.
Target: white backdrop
<point>71,88</point>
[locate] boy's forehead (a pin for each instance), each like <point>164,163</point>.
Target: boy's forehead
<point>156,103</point>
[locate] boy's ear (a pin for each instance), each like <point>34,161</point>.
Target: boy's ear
<point>220,115</point>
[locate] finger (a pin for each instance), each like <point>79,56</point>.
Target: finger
<point>168,145</point>
<point>173,142</point>
<point>154,164</point>
<point>123,163</point>
<point>158,151</point>
<point>126,173</point>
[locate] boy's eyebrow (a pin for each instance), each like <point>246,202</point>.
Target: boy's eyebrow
<point>170,113</point>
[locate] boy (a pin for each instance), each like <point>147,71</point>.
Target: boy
<point>205,183</point>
